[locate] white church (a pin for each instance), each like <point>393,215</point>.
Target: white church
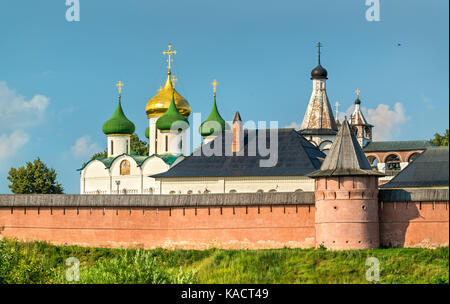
<point>235,168</point>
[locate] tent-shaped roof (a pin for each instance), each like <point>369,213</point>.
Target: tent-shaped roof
<point>345,156</point>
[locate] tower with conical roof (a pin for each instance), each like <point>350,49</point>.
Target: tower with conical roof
<point>346,196</point>
<point>118,130</point>
<point>214,124</point>
<point>158,105</point>
<point>360,126</point>
<point>318,124</point>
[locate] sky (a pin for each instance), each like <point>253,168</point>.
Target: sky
<point>57,78</point>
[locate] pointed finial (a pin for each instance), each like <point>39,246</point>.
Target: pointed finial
<point>357,93</point>
<point>174,80</point>
<point>119,86</point>
<point>214,85</point>
<point>319,45</point>
<point>169,53</point>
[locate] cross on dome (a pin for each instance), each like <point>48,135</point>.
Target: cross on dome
<point>119,86</point>
<point>214,85</point>
<point>169,53</point>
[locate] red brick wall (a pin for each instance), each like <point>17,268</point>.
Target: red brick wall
<point>198,228</point>
<point>414,224</point>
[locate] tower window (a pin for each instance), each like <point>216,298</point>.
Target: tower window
<point>127,148</point>
<point>112,147</point>
<point>167,143</point>
<point>392,162</point>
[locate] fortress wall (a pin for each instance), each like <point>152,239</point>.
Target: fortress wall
<point>257,221</point>
<point>414,218</point>
<point>194,222</point>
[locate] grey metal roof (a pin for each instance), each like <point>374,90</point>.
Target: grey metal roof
<point>345,156</point>
<point>429,169</point>
<point>296,157</point>
<point>404,145</point>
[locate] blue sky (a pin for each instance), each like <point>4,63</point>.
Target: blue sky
<point>57,78</point>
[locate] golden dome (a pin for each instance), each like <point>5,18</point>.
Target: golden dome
<point>159,104</point>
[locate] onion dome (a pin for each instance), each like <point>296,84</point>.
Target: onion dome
<point>118,123</point>
<point>319,72</point>
<point>172,115</point>
<point>147,133</point>
<point>214,119</point>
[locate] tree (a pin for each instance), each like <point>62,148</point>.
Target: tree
<point>36,177</point>
<point>440,140</point>
<point>137,145</point>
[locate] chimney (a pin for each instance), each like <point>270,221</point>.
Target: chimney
<point>238,133</point>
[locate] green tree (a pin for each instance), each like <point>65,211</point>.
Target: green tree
<point>137,145</point>
<point>36,177</point>
<point>440,140</point>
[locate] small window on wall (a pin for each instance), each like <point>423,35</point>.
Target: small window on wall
<point>373,161</point>
<point>355,130</point>
<point>172,192</point>
<point>167,143</point>
<point>233,191</point>
<point>272,190</point>
<point>189,192</point>
<point>127,148</point>
<point>125,167</point>
<point>112,147</point>
<point>260,191</point>
<point>392,162</point>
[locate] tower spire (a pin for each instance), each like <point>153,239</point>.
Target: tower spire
<point>169,53</point>
<point>119,86</point>
<point>319,45</point>
<point>214,85</point>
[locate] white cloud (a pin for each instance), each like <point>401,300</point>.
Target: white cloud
<point>17,112</point>
<point>84,146</point>
<point>294,125</point>
<point>387,121</point>
<point>11,143</point>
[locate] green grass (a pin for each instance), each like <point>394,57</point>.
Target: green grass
<point>38,262</point>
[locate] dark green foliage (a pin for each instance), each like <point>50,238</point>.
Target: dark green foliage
<point>38,262</point>
<point>440,140</point>
<point>36,177</point>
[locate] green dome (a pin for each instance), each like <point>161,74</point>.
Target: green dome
<point>207,128</point>
<point>118,123</point>
<point>147,132</point>
<point>165,122</point>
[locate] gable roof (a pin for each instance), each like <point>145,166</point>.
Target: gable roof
<point>345,156</point>
<point>404,145</point>
<point>429,169</point>
<point>296,157</point>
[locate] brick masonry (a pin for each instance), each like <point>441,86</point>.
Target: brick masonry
<point>256,221</point>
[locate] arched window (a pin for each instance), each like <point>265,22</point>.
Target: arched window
<point>233,191</point>
<point>325,151</point>
<point>392,162</point>
<point>372,160</point>
<point>272,190</point>
<point>167,143</point>
<point>298,190</point>
<point>172,192</point>
<point>368,131</point>
<point>125,167</point>
<point>127,148</point>
<point>413,157</point>
<point>260,191</point>
<point>112,147</point>
<point>189,192</point>
<point>355,130</point>
<point>150,191</point>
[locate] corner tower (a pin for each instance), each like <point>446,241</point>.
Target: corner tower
<point>318,125</point>
<point>118,130</point>
<point>346,191</point>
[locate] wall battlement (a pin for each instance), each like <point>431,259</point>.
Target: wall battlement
<point>200,221</point>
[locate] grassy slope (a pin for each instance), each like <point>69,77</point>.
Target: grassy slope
<point>42,263</point>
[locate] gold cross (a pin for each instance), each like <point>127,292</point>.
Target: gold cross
<point>174,80</point>
<point>170,53</point>
<point>357,93</point>
<point>214,84</point>
<point>119,85</point>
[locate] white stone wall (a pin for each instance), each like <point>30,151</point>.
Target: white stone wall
<point>121,145</point>
<point>197,185</point>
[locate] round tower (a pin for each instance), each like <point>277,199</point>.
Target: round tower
<point>118,130</point>
<point>346,191</point>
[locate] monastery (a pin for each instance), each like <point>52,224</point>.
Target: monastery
<point>227,162</point>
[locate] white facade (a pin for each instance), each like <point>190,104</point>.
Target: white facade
<point>165,142</point>
<point>97,178</point>
<point>118,145</point>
